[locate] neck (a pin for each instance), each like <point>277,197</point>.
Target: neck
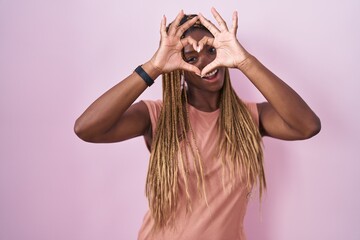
<point>203,101</point>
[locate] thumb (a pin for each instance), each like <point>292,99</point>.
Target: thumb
<point>190,68</point>
<point>210,67</point>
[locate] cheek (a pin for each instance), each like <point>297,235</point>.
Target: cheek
<point>191,78</point>
<point>212,57</point>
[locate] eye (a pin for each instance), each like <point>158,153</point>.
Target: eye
<point>191,59</point>
<point>212,50</point>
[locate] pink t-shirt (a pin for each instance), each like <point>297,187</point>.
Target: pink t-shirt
<point>223,218</point>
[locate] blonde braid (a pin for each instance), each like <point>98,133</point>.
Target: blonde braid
<point>241,145</point>
<point>161,183</point>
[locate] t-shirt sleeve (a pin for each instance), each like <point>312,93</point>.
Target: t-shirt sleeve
<point>252,107</point>
<point>154,108</point>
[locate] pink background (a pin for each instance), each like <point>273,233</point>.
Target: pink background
<point>56,57</point>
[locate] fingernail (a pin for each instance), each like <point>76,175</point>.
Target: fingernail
<point>199,74</point>
<point>198,49</point>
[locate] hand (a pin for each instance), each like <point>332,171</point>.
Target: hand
<point>169,55</point>
<point>229,52</point>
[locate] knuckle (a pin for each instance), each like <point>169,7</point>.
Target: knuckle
<point>181,29</point>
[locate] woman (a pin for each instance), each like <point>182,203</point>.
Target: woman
<point>205,143</point>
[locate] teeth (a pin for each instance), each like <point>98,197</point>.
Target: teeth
<point>211,73</point>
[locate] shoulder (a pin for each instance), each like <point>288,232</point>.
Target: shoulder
<point>154,107</point>
<point>253,109</point>
<point>153,104</point>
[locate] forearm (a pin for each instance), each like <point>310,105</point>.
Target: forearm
<point>285,101</point>
<point>106,111</point>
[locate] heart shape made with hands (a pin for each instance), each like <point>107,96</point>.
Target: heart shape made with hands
<point>229,52</point>
<point>198,46</point>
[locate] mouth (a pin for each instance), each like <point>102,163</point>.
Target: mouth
<point>211,75</point>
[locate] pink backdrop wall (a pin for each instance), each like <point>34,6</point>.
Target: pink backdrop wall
<point>56,57</point>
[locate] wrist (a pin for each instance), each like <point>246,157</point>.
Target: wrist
<point>152,70</point>
<point>143,74</point>
<point>246,64</point>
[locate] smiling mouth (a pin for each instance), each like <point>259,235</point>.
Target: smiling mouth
<point>211,74</point>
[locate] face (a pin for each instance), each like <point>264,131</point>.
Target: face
<point>214,80</point>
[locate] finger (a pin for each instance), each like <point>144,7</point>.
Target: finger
<point>205,41</point>
<point>163,26</point>
<point>190,68</point>
<point>211,27</point>
<point>210,67</point>
<point>234,22</point>
<point>174,25</point>
<point>189,41</point>
<point>180,31</point>
<point>220,20</point>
